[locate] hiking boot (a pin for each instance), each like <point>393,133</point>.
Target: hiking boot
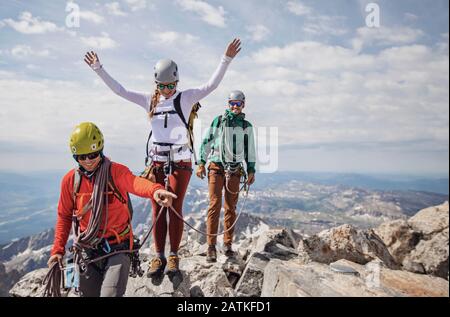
<point>228,251</point>
<point>211,254</point>
<point>172,264</point>
<point>157,266</point>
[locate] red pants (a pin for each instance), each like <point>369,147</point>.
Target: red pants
<point>178,182</point>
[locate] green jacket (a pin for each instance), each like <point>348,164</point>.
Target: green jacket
<point>219,138</point>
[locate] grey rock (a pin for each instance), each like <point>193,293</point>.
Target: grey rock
<point>250,284</point>
<point>279,243</point>
<point>290,278</point>
<point>346,242</point>
<point>431,220</point>
<point>430,256</point>
<point>398,236</point>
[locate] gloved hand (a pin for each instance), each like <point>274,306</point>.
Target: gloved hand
<point>201,171</point>
<point>92,60</point>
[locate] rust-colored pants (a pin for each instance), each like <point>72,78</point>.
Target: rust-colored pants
<point>216,185</point>
<point>178,182</point>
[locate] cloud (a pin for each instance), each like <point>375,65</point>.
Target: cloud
<point>113,8</point>
<point>99,42</point>
<point>24,51</point>
<point>410,17</point>
<point>171,37</point>
<point>258,33</point>
<point>323,94</point>
<point>208,13</point>
<point>318,24</point>
<point>27,24</point>
<point>298,8</point>
<point>92,17</point>
<point>136,5</point>
<point>44,116</point>
<point>384,36</point>
<point>313,56</point>
<point>323,24</point>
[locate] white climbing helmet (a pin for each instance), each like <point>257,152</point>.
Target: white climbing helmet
<point>166,71</point>
<point>236,95</point>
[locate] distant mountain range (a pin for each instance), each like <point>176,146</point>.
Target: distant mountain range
<point>28,202</point>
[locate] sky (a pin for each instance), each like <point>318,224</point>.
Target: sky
<point>343,90</point>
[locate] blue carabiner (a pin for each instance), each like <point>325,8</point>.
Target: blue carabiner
<point>108,248</point>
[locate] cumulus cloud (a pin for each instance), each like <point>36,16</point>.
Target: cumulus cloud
<point>99,42</point>
<point>114,9</point>
<point>92,17</point>
<point>171,37</point>
<point>27,24</point>
<point>297,8</point>
<point>318,24</point>
<point>208,13</point>
<point>258,33</point>
<point>136,5</point>
<point>24,51</point>
<point>323,94</point>
<point>384,36</point>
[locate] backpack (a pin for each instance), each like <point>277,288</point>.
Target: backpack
<point>189,124</point>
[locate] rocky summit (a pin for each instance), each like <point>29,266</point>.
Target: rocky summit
<point>399,258</point>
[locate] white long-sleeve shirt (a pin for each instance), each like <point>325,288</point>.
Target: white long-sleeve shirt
<point>172,131</point>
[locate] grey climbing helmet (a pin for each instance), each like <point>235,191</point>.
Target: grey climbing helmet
<point>236,95</point>
<point>166,71</point>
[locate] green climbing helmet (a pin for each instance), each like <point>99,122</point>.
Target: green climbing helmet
<point>86,138</point>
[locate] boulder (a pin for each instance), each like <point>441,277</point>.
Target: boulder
<point>346,242</point>
<point>431,220</point>
<point>293,279</point>
<point>430,256</point>
<point>420,244</point>
<point>398,236</point>
<point>30,285</point>
<point>250,284</point>
<point>279,243</point>
<point>197,279</point>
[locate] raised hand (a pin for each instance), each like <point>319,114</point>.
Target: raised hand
<point>233,48</point>
<point>92,60</point>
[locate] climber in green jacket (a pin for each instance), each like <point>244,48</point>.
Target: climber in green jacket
<point>228,144</point>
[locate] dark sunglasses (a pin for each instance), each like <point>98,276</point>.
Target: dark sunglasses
<point>83,157</point>
<point>236,103</point>
<point>170,86</point>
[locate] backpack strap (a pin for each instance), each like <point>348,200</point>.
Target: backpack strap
<point>177,105</point>
<point>118,194</point>
<point>245,125</point>
<point>76,184</point>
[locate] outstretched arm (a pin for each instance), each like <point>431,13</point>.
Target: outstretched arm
<point>192,96</point>
<point>93,61</point>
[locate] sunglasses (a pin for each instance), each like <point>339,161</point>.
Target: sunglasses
<point>83,157</point>
<point>170,86</point>
<point>236,103</point>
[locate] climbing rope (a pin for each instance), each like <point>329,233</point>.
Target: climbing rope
<point>54,280</point>
<point>214,234</point>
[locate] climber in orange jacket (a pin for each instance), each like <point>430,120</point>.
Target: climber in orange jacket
<point>104,221</point>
